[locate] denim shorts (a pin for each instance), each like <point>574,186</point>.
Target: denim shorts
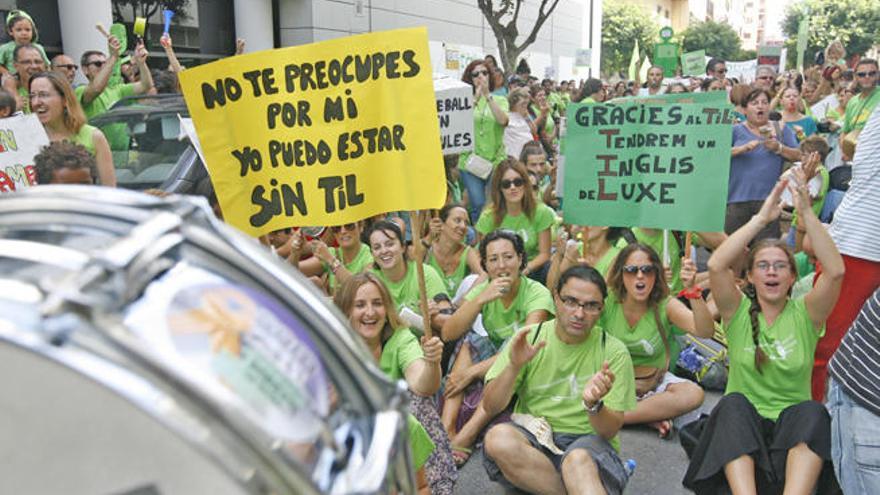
<point>611,469</point>
<point>855,442</point>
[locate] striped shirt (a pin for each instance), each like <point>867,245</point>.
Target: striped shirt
<point>856,222</point>
<point>856,364</point>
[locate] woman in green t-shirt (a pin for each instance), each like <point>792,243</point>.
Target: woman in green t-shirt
<point>640,312</point>
<point>338,263</point>
<point>504,303</point>
<point>365,300</point>
<point>400,275</point>
<point>515,208</point>
<point>448,254</point>
<point>766,429</point>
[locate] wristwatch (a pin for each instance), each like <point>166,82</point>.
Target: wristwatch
<point>595,408</point>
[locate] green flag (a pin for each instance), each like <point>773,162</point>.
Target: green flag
<point>802,38</point>
<point>634,62</point>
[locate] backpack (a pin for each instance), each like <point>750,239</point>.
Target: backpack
<point>705,360</point>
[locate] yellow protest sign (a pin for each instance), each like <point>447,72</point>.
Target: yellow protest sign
<point>321,134</point>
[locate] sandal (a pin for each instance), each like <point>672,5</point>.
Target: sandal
<point>460,455</point>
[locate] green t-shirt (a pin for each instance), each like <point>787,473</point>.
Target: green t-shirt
<point>656,243</point>
<point>552,383</point>
<point>6,58</point>
<point>420,442</point>
<point>790,345</point>
<point>643,341</point>
<point>116,134</point>
<point>500,322</point>
<point>527,228</point>
<point>399,352</point>
<point>858,109</point>
<point>604,264</point>
<point>361,261</point>
<point>489,134</point>
<point>405,293</point>
<point>85,138</point>
<point>461,271</point>
<point>25,99</point>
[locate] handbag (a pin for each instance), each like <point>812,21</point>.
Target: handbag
<point>648,377</point>
<point>478,166</point>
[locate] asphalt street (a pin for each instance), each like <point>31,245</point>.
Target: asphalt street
<point>660,464</point>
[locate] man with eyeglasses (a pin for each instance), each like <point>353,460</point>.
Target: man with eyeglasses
<point>860,106</point>
<point>98,95</point>
<point>764,77</point>
<point>716,68</point>
<point>28,61</point>
<point>65,66</point>
<point>573,383</point>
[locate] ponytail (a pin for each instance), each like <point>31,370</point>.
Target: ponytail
<point>754,310</point>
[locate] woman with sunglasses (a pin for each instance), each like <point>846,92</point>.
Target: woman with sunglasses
<point>504,303</point>
<point>448,254</point>
<point>766,434</point>
<point>490,119</point>
<point>400,275</point>
<point>514,207</point>
<point>640,312</point>
<point>338,263</point>
<point>365,300</point>
<point>53,102</point>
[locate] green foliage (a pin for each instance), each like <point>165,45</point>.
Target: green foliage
<point>745,55</point>
<point>719,40</point>
<point>622,25</point>
<point>856,23</point>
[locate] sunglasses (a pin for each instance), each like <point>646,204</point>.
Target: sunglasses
<point>507,184</point>
<point>478,73</point>
<point>67,66</point>
<point>346,227</point>
<point>867,74</point>
<point>645,269</point>
<point>96,63</point>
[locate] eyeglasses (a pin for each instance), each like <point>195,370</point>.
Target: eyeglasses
<point>645,269</point>
<point>507,184</point>
<point>867,74</point>
<point>478,73</point>
<point>43,95</point>
<point>765,78</point>
<point>346,227</point>
<point>96,63</point>
<point>67,66</point>
<point>572,304</point>
<point>777,266</point>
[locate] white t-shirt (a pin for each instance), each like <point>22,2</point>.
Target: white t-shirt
<point>516,134</point>
<point>647,91</point>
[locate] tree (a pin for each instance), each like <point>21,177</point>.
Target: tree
<point>622,25</point>
<point>719,40</point>
<point>502,18</point>
<point>856,23</point>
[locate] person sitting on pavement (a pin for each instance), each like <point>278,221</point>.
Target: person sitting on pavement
<point>640,312</point>
<point>766,433</point>
<point>504,303</point>
<point>573,383</point>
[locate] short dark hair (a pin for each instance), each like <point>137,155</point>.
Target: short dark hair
<point>7,101</point>
<point>712,63</point>
<point>531,148</point>
<point>585,273</point>
<point>867,61</point>
<point>509,236</point>
<point>385,226</point>
<point>27,46</point>
<point>63,154</point>
<point>591,86</point>
<point>87,54</point>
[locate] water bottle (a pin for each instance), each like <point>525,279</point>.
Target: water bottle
<point>630,467</point>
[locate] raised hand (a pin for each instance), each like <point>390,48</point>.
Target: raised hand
<point>165,41</point>
<point>321,250</point>
<point>599,385</point>
<point>497,288</point>
<point>800,194</point>
<point>688,272</point>
<point>113,45</point>
<point>772,207</point>
<point>521,352</point>
<point>239,46</point>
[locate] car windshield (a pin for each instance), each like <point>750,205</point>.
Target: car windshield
<point>144,139</point>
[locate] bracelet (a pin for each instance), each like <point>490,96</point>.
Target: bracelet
<point>695,292</point>
<point>335,265</point>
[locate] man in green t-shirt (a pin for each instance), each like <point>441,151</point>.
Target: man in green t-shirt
<point>572,378</point>
<point>861,106</point>
<point>98,95</point>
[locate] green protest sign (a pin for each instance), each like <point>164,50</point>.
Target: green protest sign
<point>693,63</point>
<point>660,162</point>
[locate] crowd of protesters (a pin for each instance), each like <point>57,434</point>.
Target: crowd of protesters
<point>546,339</point>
